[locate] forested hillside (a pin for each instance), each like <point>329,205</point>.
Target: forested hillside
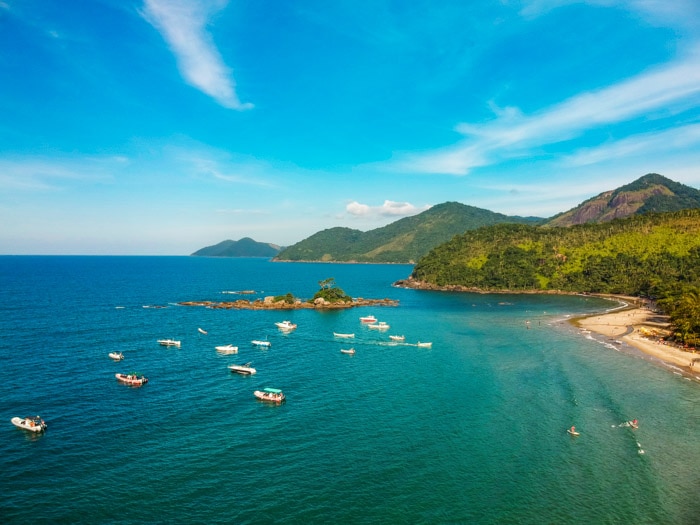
<point>405,240</point>
<point>639,255</point>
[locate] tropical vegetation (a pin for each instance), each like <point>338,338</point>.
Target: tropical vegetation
<point>654,255</point>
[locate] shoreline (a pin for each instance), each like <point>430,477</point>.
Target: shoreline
<point>640,328</point>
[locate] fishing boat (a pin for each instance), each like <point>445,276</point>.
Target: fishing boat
<point>381,325</point>
<point>169,342</point>
<point>264,344</point>
<point>33,424</point>
<point>227,349</point>
<point>368,319</point>
<point>202,331</point>
<point>286,325</point>
<point>350,351</point>
<point>424,345</point>
<point>397,337</point>
<point>343,336</point>
<point>272,395</point>
<point>245,369</point>
<point>117,356</point>
<point>132,379</point>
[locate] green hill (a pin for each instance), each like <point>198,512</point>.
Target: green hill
<point>402,241</point>
<point>640,255</point>
<point>246,247</point>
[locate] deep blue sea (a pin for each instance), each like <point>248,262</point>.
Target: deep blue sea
<point>472,430</point>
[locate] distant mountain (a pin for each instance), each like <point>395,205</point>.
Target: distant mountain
<point>403,241</point>
<point>650,193</point>
<point>246,247</point>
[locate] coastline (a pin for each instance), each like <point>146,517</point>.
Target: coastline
<point>640,327</point>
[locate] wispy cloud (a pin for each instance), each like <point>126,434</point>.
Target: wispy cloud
<point>183,26</point>
<point>388,209</point>
<point>51,174</point>
<point>669,89</point>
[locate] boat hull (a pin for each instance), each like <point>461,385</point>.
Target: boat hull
<point>269,398</point>
<point>29,424</point>
<point>131,380</point>
<point>242,370</point>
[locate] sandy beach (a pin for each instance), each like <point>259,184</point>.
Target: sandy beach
<point>643,329</point>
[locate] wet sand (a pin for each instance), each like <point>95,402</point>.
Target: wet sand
<point>642,329</point>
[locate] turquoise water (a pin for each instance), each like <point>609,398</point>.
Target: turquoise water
<point>472,430</point>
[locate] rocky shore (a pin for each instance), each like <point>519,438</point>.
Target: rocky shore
<point>269,303</point>
<point>422,285</point>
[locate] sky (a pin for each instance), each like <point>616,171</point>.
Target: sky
<point>158,127</point>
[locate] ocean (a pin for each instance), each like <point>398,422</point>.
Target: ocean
<point>472,430</point>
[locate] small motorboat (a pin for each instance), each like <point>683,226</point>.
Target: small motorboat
<point>272,395</point>
<point>397,337</point>
<point>264,344</point>
<point>286,325</point>
<point>169,342</point>
<point>245,369</point>
<point>132,379</point>
<point>572,431</point>
<point>227,349</point>
<point>343,336</point>
<point>117,356</point>
<point>368,319</point>
<point>381,325</point>
<point>202,331</point>
<point>424,345</point>
<point>350,351</point>
<point>33,424</point>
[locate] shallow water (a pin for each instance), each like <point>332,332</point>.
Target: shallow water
<point>472,430</point>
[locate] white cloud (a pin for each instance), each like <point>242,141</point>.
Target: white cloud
<point>669,89</point>
<point>388,209</point>
<point>183,26</point>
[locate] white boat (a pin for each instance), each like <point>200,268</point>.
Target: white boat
<point>258,342</point>
<point>132,379</point>
<point>202,331</point>
<point>33,424</point>
<point>227,349</point>
<point>368,319</point>
<point>381,325</point>
<point>573,431</point>
<point>397,337</point>
<point>286,325</point>
<point>245,369</point>
<point>350,351</point>
<point>272,395</point>
<point>424,345</point>
<point>343,336</point>
<point>117,356</point>
<point>169,342</point>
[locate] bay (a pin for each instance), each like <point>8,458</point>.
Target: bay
<point>472,430</point>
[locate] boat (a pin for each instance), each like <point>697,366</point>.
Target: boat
<point>117,356</point>
<point>381,325</point>
<point>169,342</point>
<point>350,351</point>
<point>227,349</point>
<point>258,342</point>
<point>424,345</point>
<point>245,369</point>
<point>343,336</point>
<point>273,395</point>
<point>573,431</point>
<point>202,331</point>
<point>368,319</point>
<point>33,424</point>
<point>286,325</point>
<point>397,337</point>
<point>132,379</point>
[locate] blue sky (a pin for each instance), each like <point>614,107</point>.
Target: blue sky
<point>162,126</point>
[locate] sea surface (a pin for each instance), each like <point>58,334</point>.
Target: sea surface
<point>472,430</point>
